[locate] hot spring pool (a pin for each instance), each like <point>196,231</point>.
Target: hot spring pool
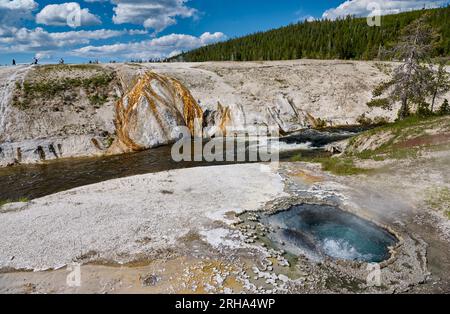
<point>318,230</point>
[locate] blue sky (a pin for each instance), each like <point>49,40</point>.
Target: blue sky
<point>120,30</point>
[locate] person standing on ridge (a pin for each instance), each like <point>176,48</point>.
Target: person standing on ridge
<point>14,62</point>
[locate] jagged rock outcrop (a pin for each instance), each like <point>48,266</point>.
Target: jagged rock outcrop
<point>282,114</point>
<point>150,112</point>
<point>224,119</point>
<point>286,115</point>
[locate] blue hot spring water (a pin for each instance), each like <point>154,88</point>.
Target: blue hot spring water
<point>318,230</point>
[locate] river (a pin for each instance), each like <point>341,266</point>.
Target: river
<point>37,180</point>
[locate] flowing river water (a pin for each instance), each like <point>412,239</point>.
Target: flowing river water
<point>37,180</point>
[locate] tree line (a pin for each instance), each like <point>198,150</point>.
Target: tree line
<point>347,38</point>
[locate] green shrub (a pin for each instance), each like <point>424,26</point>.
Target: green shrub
<point>380,120</point>
<point>423,110</point>
<point>366,121</point>
<point>444,109</point>
<point>97,100</point>
<point>363,120</point>
<point>380,102</point>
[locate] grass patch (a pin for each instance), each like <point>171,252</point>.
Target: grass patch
<point>398,132</point>
<point>409,126</point>
<point>4,202</point>
<point>390,137</point>
<point>52,87</point>
<point>47,87</point>
<point>19,200</point>
<point>393,135</point>
<point>388,152</point>
<point>341,166</point>
<point>98,100</point>
<point>337,165</point>
<point>44,69</point>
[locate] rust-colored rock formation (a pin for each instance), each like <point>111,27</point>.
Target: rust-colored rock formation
<point>224,118</point>
<point>148,114</point>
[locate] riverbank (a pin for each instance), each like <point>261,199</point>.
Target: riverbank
<point>128,219</point>
<point>61,111</point>
<point>180,231</point>
<point>37,180</point>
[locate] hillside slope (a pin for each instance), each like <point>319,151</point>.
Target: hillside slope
<point>349,38</point>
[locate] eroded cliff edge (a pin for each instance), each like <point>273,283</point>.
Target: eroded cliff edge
<point>60,111</point>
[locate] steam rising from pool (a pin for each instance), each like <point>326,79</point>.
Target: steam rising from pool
<point>321,230</point>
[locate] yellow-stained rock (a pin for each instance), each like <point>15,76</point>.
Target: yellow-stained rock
<point>148,114</point>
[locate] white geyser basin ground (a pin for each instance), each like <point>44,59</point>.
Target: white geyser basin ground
<point>122,219</point>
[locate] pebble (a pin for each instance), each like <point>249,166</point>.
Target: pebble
<point>283,278</point>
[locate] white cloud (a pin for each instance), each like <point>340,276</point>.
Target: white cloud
<point>365,7</point>
<point>159,23</point>
<point>18,4</point>
<point>137,32</point>
<point>66,14</point>
<point>43,55</point>
<point>13,11</point>
<point>152,14</point>
<point>39,40</point>
<point>161,47</point>
<point>209,38</point>
<point>308,18</point>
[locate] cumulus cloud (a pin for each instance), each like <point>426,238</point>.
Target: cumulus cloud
<point>43,55</point>
<point>152,14</point>
<point>39,40</point>
<point>159,23</point>
<point>161,47</point>
<point>66,14</point>
<point>365,7</point>
<point>18,4</point>
<point>13,11</point>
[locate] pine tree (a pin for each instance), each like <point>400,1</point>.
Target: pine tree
<point>440,83</point>
<point>410,82</point>
<point>444,109</point>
